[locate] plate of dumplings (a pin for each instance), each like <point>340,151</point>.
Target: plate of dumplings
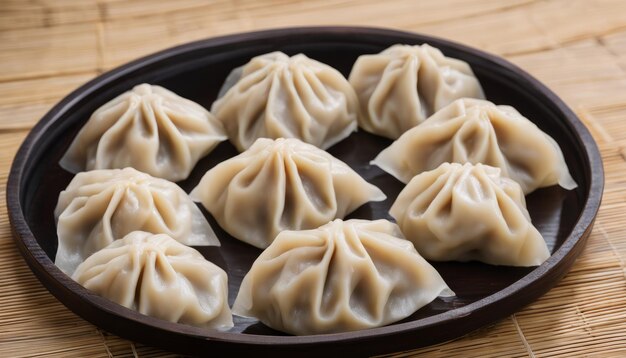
<point>305,191</point>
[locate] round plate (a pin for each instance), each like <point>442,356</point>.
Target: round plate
<point>196,71</point>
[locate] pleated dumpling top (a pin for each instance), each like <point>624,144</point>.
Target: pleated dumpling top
<point>282,184</point>
<point>478,131</point>
<point>159,277</point>
<point>403,85</point>
<point>149,128</point>
<point>343,276</point>
<point>275,95</point>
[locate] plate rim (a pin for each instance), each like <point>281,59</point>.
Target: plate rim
<point>45,269</point>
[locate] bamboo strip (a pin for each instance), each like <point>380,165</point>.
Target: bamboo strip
<point>44,13</point>
<point>184,26</point>
<point>24,102</point>
<point>48,51</point>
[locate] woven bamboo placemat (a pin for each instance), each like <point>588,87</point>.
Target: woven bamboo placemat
<point>578,48</point>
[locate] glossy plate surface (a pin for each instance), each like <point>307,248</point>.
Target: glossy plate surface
<point>196,71</point>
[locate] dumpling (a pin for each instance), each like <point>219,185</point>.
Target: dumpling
<point>100,206</point>
<point>282,184</point>
<point>159,277</point>
<point>403,85</point>
<point>469,212</point>
<point>478,131</point>
<point>148,128</point>
<point>275,96</point>
<point>343,276</point>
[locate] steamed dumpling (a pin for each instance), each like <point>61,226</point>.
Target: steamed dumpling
<point>282,184</point>
<point>343,276</point>
<point>159,277</point>
<point>101,206</point>
<point>403,85</point>
<point>469,212</point>
<point>148,128</point>
<point>276,96</point>
<point>478,131</point>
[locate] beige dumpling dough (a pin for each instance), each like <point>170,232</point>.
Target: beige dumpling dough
<point>275,96</point>
<point>478,131</point>
<point>159,277</point>
<point>343,276</point>
<point>403,85</point>
<point>148,128</point>
<point>282,184</point>
<point>101,206</point>
<point>463,212</point>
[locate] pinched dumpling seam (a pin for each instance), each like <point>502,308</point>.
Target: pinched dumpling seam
<point>149,128</point>
<point>282,184</point>
<point>469,212</point>
<point>403,85</point>
<point>478,131</point>
<point>342,276</point>
<point>276,96</point>
<point>100,206</point>
<point>159,277</point>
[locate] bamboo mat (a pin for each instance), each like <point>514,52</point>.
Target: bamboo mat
<point>578,48</point>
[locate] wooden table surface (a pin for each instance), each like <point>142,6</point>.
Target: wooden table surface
<point>578,48</point>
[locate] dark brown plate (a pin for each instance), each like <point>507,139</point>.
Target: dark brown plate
<point>196,71</point>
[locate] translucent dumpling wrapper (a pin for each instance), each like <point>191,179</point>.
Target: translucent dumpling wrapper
<point>282,184</point>
<point>343,276</point>
<point>275,96</point>
<point>403,85</point>
<point>159,277</point>
<point>469,212</point>
<point>478,131</point>
<point>101,206</point>
<point>148,128</point>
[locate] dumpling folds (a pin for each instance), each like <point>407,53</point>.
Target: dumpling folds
<point>159,277</point>
<point>275,96</point>
<point>469,212</point>
<point>478,131</point>
<point>403,85</point>
<point>148,128</point>
<point>282,184</point>
<point>101,206</point>
<point>343,276</point>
